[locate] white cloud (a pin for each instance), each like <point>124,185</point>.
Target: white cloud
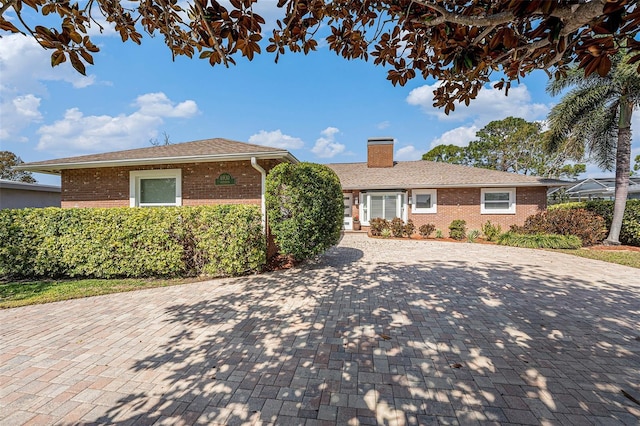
<point>276,139</point>
<point>491,104</point>
<point>383,124</point>
<point>460,136</point>
<point>158,104</point>
<point>408,153</point>
<point>76,133</point>
<point>17,113</point>
<point>326,145</point>
<point>24,64</point>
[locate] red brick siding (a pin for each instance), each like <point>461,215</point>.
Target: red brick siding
<point>109,186</point>
<point>464,203</point>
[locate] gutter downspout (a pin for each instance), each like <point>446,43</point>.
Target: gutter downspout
<point>263,177</point>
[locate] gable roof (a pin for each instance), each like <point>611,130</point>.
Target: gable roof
<point>207,150</point>
<point>430,174</point>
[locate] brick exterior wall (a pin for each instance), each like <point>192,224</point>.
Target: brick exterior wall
<point>464,203</point>
<point>109,186</point>
<point>380,155</point>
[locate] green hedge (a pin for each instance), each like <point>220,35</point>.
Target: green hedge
<point>131,242</point>
<point>305,208</point>
<point>551,241</point>
<point>630,233</point>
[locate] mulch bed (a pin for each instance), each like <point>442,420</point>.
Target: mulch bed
<point>280,262</point>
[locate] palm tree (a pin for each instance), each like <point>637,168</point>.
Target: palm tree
<point>596,115</point>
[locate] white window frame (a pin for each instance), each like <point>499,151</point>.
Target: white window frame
<point>434,201</point>
<point>134,185</point>
<point>512,200</point>
<point>365,202</point>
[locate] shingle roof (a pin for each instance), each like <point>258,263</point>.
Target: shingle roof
<point>429,174</point>
<point>203,150</point>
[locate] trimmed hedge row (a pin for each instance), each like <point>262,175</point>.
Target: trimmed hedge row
<point>126,242</point>
<point>630,233</point>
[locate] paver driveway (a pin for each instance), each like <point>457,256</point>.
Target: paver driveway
<point>376,331</point>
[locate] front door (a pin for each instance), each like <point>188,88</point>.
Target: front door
<point>348,220</point>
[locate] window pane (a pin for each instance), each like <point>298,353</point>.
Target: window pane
<point>496,196</point>
<point>499,205</point>
<point>347,206</point>
<point>391,202</point>
<point>158,191</point>
<point>423,201</point>
<point>377,206</point>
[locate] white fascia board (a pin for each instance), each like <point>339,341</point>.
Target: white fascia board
<point>55,168</point>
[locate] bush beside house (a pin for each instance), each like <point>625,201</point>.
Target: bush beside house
<point>305,208</point>
<point>586,225</point>
<point>630,233</point>
<point>125,242</point>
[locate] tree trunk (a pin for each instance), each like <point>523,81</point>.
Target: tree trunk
<point>623,168</point>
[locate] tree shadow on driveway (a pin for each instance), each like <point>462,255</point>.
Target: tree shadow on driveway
<point>350,341</point>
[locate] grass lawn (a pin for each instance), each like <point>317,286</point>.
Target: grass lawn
<point>21,293</point>
<point>621,257</point>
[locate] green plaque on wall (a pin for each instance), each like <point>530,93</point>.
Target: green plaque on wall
<point>225,179</point>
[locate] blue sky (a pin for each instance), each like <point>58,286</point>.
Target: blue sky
<point>320,107</point>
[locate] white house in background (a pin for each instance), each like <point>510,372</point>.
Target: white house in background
<point>18,195</point>
<point>596,189</point>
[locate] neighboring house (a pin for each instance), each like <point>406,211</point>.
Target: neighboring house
<point>436,192</point>
<point>594,189</point>
<point>18,195</point>
<point>211,171</point>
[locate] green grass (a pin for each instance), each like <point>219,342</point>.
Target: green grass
<point>626,258</point>
<point>22,293</point>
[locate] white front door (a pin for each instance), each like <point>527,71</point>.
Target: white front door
<point>348,220</point>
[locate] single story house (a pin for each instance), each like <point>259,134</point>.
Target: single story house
<point>594,189</point>
<point>436,192</point>
<point>210,171</point>
<point>19,195</point>
<point>218,171</point>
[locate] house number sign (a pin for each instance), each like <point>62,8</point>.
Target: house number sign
<point>225,179</point>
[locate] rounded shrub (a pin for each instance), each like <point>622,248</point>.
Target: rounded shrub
<point>426,229</point>
<point>458,229</point>
<point>586,225</point>
<point>305,208</point>
<point>378,225</point>
<point>630,232</point>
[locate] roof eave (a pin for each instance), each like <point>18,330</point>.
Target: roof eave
<point>55,168</point>
<point>455,185</point>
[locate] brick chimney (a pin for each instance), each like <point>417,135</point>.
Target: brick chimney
<point>380,152</point>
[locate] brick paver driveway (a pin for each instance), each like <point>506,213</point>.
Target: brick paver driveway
<point>377,331</point>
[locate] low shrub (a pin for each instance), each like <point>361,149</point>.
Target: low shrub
<point>458,229</point>
<point>473,235</point>
<point>551,241</point>
<point>409,229</point>
<point>630,232</point>
<point>586,225</point>
<point>377,225</point>
<point>397,227</point>
<point>386,233</point>
<point>426,230</point>
<point>491,231</point>
<point>439,233</point>
<point>126,242</point>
